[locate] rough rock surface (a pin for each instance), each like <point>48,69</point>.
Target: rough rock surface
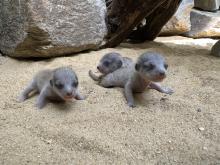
<point>204,24</point>
<point>180,22</point>
<point>208,5</point>
<point>47,28</point>
<point>216,49</point>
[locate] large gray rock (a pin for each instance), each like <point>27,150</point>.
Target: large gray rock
<point>180,22</point>
<point>216,49</point>
<point>47,28</point>
<point>208,5</point>
<point>204,24</point>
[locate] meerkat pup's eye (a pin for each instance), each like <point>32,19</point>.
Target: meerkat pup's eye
<point>149,66</point>
<point>75,84</point>
<point>59,85</point>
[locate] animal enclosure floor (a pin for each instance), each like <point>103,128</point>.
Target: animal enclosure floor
<point>183,128</point>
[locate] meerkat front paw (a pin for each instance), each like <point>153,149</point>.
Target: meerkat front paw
<point>90,73</point>
<point>21,98</point>
<point>80,97</point>
<point>40,105</point>
<point>168,90</point>
<point>132,105</point>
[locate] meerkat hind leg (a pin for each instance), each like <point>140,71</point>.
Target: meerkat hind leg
<point>32,87</point>
<point>107,83</point>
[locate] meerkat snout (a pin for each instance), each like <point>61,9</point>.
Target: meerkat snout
<point>69,93</point>
<point>162,73</point>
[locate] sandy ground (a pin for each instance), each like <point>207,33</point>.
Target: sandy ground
<point>102,129</point>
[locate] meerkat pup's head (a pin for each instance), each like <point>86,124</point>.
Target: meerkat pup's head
<point>152,66</point>
<point>110,62</point>
<point>64,83</point>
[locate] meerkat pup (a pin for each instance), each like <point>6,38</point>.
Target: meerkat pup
<point>149,69</point>
<point>58,84</point>
<point>109,63</point>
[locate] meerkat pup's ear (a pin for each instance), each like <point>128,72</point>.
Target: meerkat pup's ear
<point>51,82</point>
<point>137,67</point>
<point>120,63</point>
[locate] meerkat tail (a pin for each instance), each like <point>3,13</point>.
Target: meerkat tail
<point>93,76</point>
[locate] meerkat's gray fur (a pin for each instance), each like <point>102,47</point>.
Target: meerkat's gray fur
<point>58,84</point>
<point>149,69</point>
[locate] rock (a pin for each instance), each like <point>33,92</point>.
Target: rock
<point>201,128</point>
<point>180,22</point>
<point>205,148</point>
<point>204,24</point>
<point>123,113</point>
<point>215,51</point>
<point>208,5</point>
<point>49,141</point>
<point>163,99</point>
<point>48,28</point>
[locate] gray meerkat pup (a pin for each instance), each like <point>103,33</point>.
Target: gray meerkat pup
<point>59,84</point>
<point>149,69</point>
<point>109,63</point>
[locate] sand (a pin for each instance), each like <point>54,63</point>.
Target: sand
<point>183,128</point>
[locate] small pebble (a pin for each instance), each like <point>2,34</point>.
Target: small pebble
<point>163,99</point>
<point>49,141</point>
<point>201,128</point>
<point>171,148</point>
<point>199,110</point>
<point>158,152</point>
<point>205,148</point>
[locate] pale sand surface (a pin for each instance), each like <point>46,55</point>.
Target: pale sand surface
<point>102,129</point>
